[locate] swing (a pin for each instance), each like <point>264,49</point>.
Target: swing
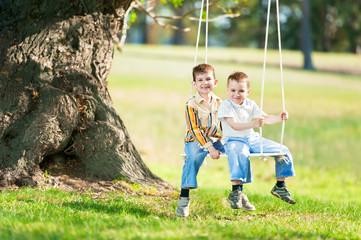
<point>280,156</point>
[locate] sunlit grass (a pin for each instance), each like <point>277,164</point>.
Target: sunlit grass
<point>149,86</point>
<point>149,214</point>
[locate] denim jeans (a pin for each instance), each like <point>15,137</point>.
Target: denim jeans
<point>195,157</point>
<point>239,148</point>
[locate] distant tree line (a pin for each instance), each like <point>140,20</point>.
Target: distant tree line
<point>333,25</point>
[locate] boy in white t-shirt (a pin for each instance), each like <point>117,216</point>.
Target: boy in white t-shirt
<point>238,116</point>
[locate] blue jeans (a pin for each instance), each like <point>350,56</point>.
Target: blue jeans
<point>193,161</point>
<point>239,148</point>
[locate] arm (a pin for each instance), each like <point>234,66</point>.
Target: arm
<point>240,126</point>
<point>272,119</point>
<point>197,132</point>
<point>193,127</point>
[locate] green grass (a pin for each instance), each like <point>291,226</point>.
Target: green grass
<point>149,214</point>
<point>149,86</point>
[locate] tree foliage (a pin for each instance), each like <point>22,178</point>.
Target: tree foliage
<point>335,24</point>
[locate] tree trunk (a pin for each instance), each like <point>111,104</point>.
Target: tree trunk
<point>55,57</point>
<point>306,36</point>
<point>178,38</point>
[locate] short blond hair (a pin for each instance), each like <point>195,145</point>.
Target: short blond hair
<point>203,68</point>
<point>238,77</point>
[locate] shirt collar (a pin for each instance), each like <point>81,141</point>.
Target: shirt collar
<point>245,103</point>
<point>199,98</point>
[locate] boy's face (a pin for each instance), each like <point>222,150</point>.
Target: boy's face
<point>238,91</point>
<point>204,82</point>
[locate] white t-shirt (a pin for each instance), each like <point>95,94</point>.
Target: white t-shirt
<point>243,113</point>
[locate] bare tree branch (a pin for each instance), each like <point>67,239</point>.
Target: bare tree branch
<point>151,4</point>
<point>119,43</point>
<point>138,5</point>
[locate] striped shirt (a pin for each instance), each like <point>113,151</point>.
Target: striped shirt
<point>202,120</point>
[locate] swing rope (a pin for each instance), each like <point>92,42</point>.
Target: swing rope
<point>261,154</point>
<point>198,35</point>
<point>281,70</point>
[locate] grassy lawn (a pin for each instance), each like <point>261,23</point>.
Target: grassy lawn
<point>149,86</point>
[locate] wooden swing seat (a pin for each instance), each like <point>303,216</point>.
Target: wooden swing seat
<point>261,155</point>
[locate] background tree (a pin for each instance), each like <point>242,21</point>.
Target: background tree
<point>306,36</point>
<point>183,16</point>
<point>350,26</point>
<point>333,26</point>
<point>178,37</point>
<point>336,25</point>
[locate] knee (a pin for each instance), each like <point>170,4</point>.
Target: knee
<point>230,147</point>
<point>285,149</point>
<point>244,152</point>
<point>238,155</point>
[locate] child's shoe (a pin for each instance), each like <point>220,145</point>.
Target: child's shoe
<point>246,205</point>
<point>283,193</point>
<point>183,207</point>
<point>235,199</point>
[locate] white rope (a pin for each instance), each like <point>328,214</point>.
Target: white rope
<point>281,70</point>
<point>199,30</point>
<point>206,37</point>
<point>198,36</point>
<point>280,155</point>
<point>197,43</point>
<point>264,67</point>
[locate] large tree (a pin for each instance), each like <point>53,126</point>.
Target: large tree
<point>55,57</point>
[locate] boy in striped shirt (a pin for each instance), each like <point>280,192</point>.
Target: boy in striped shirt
<point>202,135</point>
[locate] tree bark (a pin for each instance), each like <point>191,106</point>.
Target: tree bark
<point>55,57</point>
<point>306,36</point>
<point>178,36</point>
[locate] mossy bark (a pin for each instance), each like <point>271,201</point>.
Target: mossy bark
<point>55,57</point>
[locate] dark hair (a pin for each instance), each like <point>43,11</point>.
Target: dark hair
<point>203,68</point>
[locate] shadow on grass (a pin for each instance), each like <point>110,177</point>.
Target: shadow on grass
<point>307,205</point>
<point>269,206</point>
<point>309,218</point>
<point>121,208</point>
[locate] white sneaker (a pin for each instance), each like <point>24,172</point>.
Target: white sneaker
<point>238,199</point>
<point>246,205</point>
<point>183,207</point>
